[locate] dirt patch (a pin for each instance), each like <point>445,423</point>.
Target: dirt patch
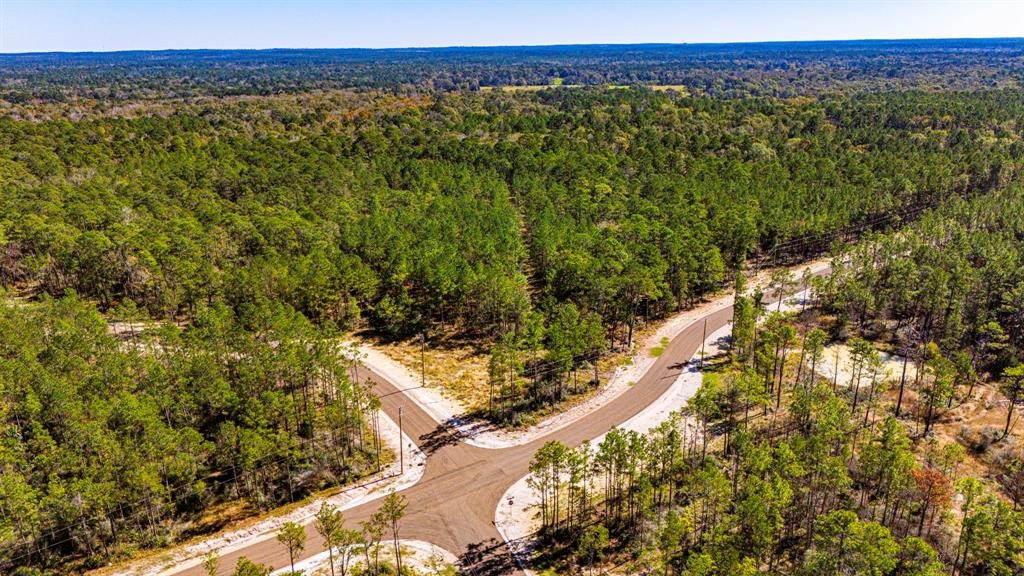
<point>401,363</point>
<point>974,419</point>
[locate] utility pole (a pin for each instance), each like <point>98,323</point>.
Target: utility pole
<point>376,436</point>
<point>423,361</point>
<point>703,337</point>
<point>401,444</point>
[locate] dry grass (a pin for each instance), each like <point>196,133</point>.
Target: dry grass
<point>671,87</point>
<point>457,368</point>
<point>221,516</point>
<point>968,417</point>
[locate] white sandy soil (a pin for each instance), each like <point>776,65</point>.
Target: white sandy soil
<point>678,395</point>
<point>893,366</point>
<point>419,555</point>
<point>519,523</point>
<point>431,400</point>
<point>443,409</point>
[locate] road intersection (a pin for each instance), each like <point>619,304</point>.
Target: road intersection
<point>453,505</point>
<point>454,502</point>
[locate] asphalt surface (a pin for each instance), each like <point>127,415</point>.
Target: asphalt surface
<point>453,505</point>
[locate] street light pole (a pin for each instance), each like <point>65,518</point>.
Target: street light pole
<point>401,444</point>
<point>703,337</point>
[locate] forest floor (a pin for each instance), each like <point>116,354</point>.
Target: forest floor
<point>434,401</point>
<point>456,369</point>
<point>264,527</point>
<point>837,365</point>
<point>519,522</point>
<point>974,419</point>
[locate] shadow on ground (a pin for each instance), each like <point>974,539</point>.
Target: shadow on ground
<point>488,558</point>
<point>438,438</point>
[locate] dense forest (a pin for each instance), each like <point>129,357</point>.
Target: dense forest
<point>785,472</point>
<point>490,214</point>
<point>110,442</point>
<point>469,208</point>
<point>185,236</point>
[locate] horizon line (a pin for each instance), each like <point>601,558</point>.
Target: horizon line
<point>494,46</point>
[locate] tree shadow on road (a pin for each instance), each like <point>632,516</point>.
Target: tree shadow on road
<point>487,558</point>
<point>438,438</point>
<point>712,362</point>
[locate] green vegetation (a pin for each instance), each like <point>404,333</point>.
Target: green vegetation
<point>777,69</point>
<point>501,217</point>
<point>110,444</point>
<point>948,292</point>
<point>240,211</point>
<point>788,473</point>
<point>471,211</point>
<point>660,348</point>
<point>293,537</point>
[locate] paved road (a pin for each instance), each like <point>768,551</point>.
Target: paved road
<point>454,503</point>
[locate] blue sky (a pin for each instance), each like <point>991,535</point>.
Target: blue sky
<point>45,25</point>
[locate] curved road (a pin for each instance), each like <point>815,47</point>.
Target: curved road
<point>454,503</point>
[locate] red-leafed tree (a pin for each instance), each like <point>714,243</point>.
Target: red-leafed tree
<point>935,491</point>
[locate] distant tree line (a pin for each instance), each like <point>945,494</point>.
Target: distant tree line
<point>780,69</point>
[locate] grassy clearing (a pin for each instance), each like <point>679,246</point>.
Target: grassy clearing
<point>459,370</point>
<point>671,88</point>
<point>660,348</point>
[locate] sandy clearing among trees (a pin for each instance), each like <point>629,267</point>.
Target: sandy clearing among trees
<point>892,365</point>
<point>519,522</point>
<point>423,557</point>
